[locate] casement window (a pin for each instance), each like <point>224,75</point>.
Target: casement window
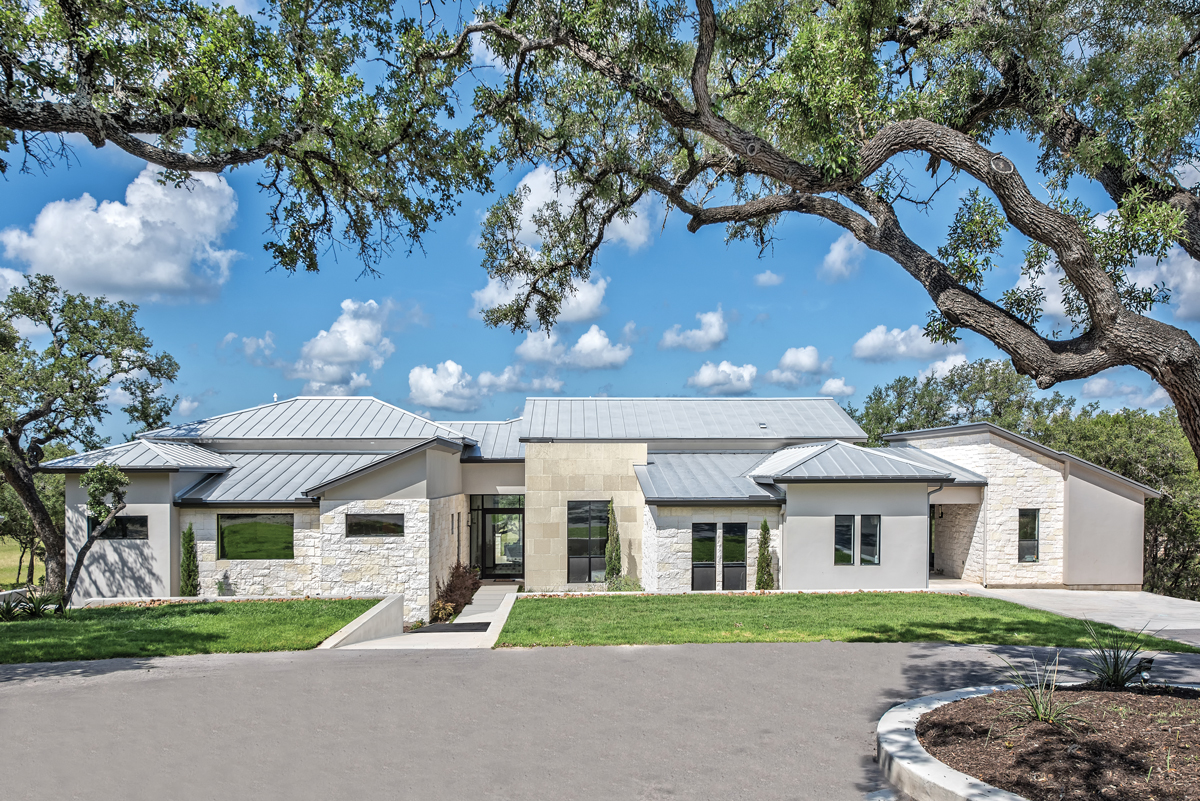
<point>255,536</point>
<point>868,540</point>
<point>123,527</point>
<point>587,534</point>
<point>733,556</point>
<point>704,556</point>
<point>375,525</point>
<point>1027,535</point>
<point>843,539</point>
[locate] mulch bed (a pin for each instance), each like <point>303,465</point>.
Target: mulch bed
<point>1120,745</point>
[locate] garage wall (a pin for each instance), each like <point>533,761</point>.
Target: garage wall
<point>807,558</point>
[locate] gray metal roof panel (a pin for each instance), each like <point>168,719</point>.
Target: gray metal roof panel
<point>310,418</point>
<point>141,454</point>
<point>687,418</point>
<point>274,477</point>
<point>701,477</point>
<point>843,461</point>
<point>962,476</point>
<point>496,440</point>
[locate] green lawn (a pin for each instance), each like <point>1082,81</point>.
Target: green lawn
<point>10,553</point>
<point>858,617</point>
<point>194,628</point>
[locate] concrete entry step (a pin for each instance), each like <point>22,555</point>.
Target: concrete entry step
<point>434,628</point>
<point>478,626</point>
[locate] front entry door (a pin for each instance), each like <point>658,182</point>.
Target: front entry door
<point>503,544</point>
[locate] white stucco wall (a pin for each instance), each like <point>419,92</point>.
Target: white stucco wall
<point>1105,532</point>
<point>667,542</point>
<point>807,554</point>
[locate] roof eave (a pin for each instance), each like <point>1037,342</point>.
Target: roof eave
<point>867,480</point>
<point>441,443</point>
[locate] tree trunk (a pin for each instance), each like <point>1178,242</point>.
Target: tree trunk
<point>32,563</point>
<point>83,552</point>
<point>20,478</point>
<point>20,563</point>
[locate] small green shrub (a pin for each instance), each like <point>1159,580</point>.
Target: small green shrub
<point>440,611</point>
<point>41,604</point>
<point>612,548</point>
<point>189,569</point>
<point>11,608</point>
<point>1038,700</point>
<point>624,584</point>
<point>764,579</point>
<point>1116,656</point>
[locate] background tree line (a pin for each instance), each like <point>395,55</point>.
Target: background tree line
<point>1147,447</point>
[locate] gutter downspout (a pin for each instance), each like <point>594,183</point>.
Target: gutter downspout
<point>928,496</point>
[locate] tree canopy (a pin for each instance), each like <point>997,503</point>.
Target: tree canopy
<point>353,145</point>
<point>94,352</point>
<point>740,113</point>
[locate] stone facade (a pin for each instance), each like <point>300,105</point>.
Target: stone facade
<point>1018,478</point>
<point>558,472</point>
<point>958,553</point>
<point>667,543</point>
<point>450,521</point>
<point>326,562</point>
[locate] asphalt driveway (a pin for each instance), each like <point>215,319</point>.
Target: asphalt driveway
<point>762,721</point>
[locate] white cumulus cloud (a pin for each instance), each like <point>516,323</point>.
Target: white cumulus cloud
<point>725,378</point>
<point>713,331</point>
<point>544,187</point>
<point>941,367</point>
<point>843,259</point>
<point>448,386</point>
<point>837,388</point>
<point>768,278</point>
<point>586,303</point>
<point>883,345</point>
<point>1101,387</point>
<point>592,351</point>
<point>330,361</point>
<point>161,244</point>
<point>799,366</point>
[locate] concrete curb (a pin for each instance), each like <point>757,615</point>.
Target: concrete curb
<point>914,772</point>
<point>384,619</point>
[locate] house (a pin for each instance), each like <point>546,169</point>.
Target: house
<point>336,496</point>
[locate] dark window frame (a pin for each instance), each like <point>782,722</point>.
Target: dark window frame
<point>862,530</point>
<point>361,517</point>
<point>1036,539</point>
<point>593,552</point>
<point>221,544</point>
<point>733,572</point>
<point>120,523</point>
<point>846,552</point>
<point>704,572</point>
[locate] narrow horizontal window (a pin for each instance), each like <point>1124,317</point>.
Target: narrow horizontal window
<point>843,539</point>
<point>130,527</point>
<point>1027,535</point>
<point>374,525</point>
<point>868,540</point>
<point>263,536</point>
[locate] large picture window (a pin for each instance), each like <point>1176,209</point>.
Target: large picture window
<point>843,539</point>
<point>868,540</point>
<point>263,536</point>
<point>587,534</point>
<point>733,556</point>
<point>1027,535</point>
<point>704,556</point>
<point>374,525</point>
<point>124,527</point>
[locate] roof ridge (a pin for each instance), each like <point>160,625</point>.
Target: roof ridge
<point>673,398</point>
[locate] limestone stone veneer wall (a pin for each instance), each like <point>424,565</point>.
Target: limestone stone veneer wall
<point>558,472</point>
<point>1018,478</point>
<point>958,553</point>
<point>667,542</point>
<point>326,561</point>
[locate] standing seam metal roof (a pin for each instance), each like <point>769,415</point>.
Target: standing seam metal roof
<point>311,418</point>
<point>842,461</point>
<point>496,440</point>
<point>265,477</point>
<point>686,418</point>
<point>698,477</point>
<point>144,454</point>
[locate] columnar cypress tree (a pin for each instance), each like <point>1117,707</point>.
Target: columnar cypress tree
<point>189,570</point>
<point>612,548</point>
<point>764,579</point>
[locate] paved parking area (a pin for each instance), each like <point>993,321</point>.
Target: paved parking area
<point>762,721</point>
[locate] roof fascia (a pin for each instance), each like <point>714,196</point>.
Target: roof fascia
<point>873,480</point>
<point>762,500</point>
<point>300,503</point>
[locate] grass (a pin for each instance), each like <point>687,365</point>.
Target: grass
<point>857,617</point>
<point>10,554</point>
<point>171,630</point>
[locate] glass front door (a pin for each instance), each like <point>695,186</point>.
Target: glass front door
<point>498,535</point>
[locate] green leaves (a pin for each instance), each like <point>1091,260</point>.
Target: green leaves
<point>105,486</point>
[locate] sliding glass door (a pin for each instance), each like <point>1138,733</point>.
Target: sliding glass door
<point>498,535</point>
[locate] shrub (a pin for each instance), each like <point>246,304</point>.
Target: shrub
<point>11,608</point>
<point>41,604</point>
<point>189,569</point>
<point>440,611</point>
<point>1038,700</point>
<point>764,579</point>
<point>612,548</point>
<point>624,584</point>
<point>1115,657</point>
<point>458,590</point>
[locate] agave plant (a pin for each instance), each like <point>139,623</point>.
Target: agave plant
<point>1038,687</point>
<point>1115,656</point>
<point>42,604</point>
<point>11,607</point>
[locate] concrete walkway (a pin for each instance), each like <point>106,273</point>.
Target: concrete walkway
<point>488,610</point>
<point>1171,618</point>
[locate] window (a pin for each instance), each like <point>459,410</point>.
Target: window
<point>733,556</point>
<point>267,536</point>
<point>374,525</point>
<point>132,527</point>
<point>587,534</point>
<point>868,540</point>
<point>1027,535</point>
<point>704,556</point>
<point>843,539</point>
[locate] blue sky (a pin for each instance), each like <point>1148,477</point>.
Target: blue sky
<point>667,313</point>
